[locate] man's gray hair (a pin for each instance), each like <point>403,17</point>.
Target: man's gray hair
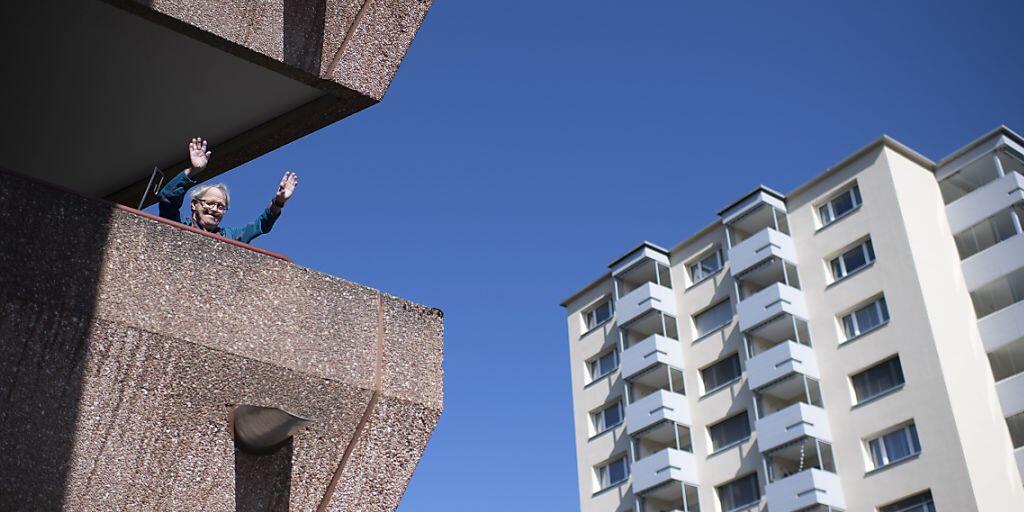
<point>203,188</point>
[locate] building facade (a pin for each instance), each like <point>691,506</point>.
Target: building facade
<point>854,345</point>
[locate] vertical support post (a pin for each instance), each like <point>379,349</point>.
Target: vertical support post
<point>817,446</point>
<point>615,284</point>
<point>807,390</point>
<point>664,326</point>
<point>757,404</point>
<point>657,273</point>
<point>747,346</point>
<point>668,369</point>
<point>785,272</point>
<point>1015,212</point>
<point>728,237</point>
<point>775,218</point>
<point>675,430</point>
<point>796,330</point>
<point>998,164</point>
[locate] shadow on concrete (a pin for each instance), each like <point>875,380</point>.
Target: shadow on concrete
<point>51,254</point>
<point>263,482</point>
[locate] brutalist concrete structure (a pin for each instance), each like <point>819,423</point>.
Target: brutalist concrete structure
<point>126,342</point>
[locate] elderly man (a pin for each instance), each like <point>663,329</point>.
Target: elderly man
<point>210,202</point>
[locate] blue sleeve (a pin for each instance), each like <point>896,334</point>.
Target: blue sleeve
<point>261,226</point>
<point>173,195</point>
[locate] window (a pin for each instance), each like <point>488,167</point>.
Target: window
<point>852,260</point>
<point>712,318</point>
<point>603,365</point>
<point>865,319</point>
<point>706,266</point>
<point>721,373</point>
<point>989,232</point>
<point>739,493</point>
<point>916,503</point>
<point>839,205</point>
<point>894,446</point>
<point>612,473</point>
<point>878,379</point>
<point>607,418</point>
<point>729,432</point>
<point>598,315</point>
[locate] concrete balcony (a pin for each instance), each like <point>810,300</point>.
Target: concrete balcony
<point>765,244</point>
<point>658,406</point>
<point>985,202</point>
<point>1011,394</point>
<point>790,424</point>
<point>1019,454</point>
<point>994,262</point>
<point>668,465</point>
<point>776,299</point>
<point>805,489</point>
<point>1002,327</point>
<point>780,361</point>
<point>650,352</point>
<point>643,299</point>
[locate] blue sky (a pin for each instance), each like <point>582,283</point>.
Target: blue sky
<point>524,145</point>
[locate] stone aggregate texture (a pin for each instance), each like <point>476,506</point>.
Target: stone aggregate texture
<point>124,343</point>
<point>350,49</point>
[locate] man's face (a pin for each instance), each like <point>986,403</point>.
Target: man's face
<point>208,208</point>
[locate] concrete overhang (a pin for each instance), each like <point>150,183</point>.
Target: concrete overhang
<point>99,93</point>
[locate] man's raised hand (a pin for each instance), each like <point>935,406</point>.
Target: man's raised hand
<point>286,188</point>
<point>198,156</point>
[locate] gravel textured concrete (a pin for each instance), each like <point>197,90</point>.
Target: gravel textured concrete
<point>125,342</point>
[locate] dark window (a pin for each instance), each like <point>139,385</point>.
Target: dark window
<point>740,492</point>
<point>866,318</point>
<point>721,373</point>
<point>894,446</point>
<point>604,365</point>
<point>839,205</point>
<point>598,315</point>
<point>852,260</point>
<point>712,318</point>
<point>916,503</point>
<point>878,379</point>
<point>729,431</point>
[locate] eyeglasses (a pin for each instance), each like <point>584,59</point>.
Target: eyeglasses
<point>213,206</point>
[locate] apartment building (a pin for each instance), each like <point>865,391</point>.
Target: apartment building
<point>854,345</point>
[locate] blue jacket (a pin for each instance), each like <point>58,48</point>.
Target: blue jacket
<point>173,195</point>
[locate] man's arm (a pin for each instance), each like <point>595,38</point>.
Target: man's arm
<point>265,222</point>
<point>173,194</point>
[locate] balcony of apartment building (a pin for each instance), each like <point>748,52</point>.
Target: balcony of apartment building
<point>665,471</point>
<point>643,284</point>
<point>788,409</point>
<point>768,292</point>
<point>801,477</point>
<point>988,184</point>
<point>999,306</point>
<point>759,233</point>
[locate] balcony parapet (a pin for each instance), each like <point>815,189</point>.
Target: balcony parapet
<point>792,423</point>
<point>653,350</point>
<point>1002,327</point>
<point>985,202</point>
<point>770,302</point>
<point>1011,394</point>
<point>805,489</point>
<point>658,406</point>
<point>764,244</point>
<point>662,467</point>
<point>643,299</point>
<point>780,361</point>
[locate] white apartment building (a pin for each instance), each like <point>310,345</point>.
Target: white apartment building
<point>854,345</point>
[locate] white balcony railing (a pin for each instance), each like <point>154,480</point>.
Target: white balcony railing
<point>985,202</point>
<point>759,247</point>
<point>668,465</point>
<point>653,350</point>
<point>766,304</point>
<point>1019,453</point>
<point>660,405</point>
<point>779,361</point>
<point>792,423</point>
<point>1011,394</point>
<point>994,262</point>
<point>805,489</point>
<point>643,299</point>
<point>1002,327</point>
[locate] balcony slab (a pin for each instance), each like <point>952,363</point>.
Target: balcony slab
<point>792,423</point>
<point>779,361</point>
<point>764,244</point>
<point>668,465</point>
<point>658,406</point>
<point>805,489</point>
<point>643,299</point>
<point>774,300</point>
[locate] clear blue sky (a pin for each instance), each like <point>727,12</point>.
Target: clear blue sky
<point>524,145</point>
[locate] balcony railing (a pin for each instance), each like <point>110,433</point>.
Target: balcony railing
<point>779,361</point>
<point>1002,327</point>
<point>804,490</point>
<point>646,297</point>
<point>658,406</point>
<point>652,351</point>
<point>762,245</point>
<point>662,467</point>
<point>1011,394</point>
<point>998,260</point>
<point>985,202</point>
<point>770,302</point>
<point>790,424</point>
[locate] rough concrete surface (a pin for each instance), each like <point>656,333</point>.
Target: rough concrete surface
<point>124,343</point>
